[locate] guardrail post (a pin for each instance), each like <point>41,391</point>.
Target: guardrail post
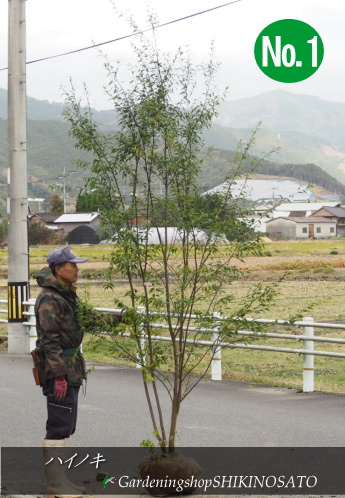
<point>216,364</point>
<point>32,324</point>
<point>141,345</point>
<point>308,359</point>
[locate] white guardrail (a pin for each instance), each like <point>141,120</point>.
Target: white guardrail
<point>307,337</point>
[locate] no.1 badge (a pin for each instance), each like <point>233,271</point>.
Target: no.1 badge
<point>289,51</point>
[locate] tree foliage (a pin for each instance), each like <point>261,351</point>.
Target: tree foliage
<point>3,230</point>
<point>39,234</point>
<point>88,202</point>
<point>56,204</point>
<point>146,174</point>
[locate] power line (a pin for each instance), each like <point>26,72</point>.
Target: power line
<point>128,36</point>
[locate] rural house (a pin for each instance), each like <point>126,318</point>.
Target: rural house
<point>337,213</point>
<point>264,213</point>
<point>301,227</point>
<point>44,219</point>
<point>294,209</point>
<point>70,221</point>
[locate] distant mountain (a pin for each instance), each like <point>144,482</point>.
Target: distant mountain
<point>279,111</point>
<point>282,111</point>
<point>42,110</point>
<point>50,149</point>
<point>37,109</point>
<point>305,129</point>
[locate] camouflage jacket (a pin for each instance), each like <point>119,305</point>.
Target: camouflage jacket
<point>58,329</point>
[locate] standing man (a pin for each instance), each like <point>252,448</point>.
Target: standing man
<point>59,336</point>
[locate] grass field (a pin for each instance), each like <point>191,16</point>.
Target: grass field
<point>314,273</point>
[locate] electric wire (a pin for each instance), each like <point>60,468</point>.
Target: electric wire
<point>95,45</point>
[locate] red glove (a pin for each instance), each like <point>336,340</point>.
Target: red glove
<point>116,317</point>
<point>60,388</point>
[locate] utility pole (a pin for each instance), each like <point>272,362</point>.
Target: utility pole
<point>18,249</point>
<point>64,187</point>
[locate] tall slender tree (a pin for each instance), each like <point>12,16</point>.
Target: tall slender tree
<point>146,176</point>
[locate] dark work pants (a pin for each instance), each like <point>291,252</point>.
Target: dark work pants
<point>62,415</point>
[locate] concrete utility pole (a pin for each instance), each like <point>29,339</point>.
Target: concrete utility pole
<point>18,249</point>
<point>64,186</point>
<point>64,190</point>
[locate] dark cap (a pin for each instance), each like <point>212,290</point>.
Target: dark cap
<point>63,255</point>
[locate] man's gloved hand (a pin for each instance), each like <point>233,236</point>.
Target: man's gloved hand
<point>116,318</point>
<point>60,388</point>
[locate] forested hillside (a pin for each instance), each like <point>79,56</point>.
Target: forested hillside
<point>287,147</point>
<point>310,173</point>
<point>306,130</point>
<point>51,149</point>
<point>219,162</point>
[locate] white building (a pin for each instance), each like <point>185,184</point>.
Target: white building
<point>162,235</point>
<point>70,221</point>
<point>266,189</point>
<point>301,227</point>
<point>263,214</point>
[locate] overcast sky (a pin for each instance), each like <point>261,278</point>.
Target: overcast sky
<point>57,27</point>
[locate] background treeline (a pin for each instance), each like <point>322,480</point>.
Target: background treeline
<point>310,173</point>
<point>217,162</point>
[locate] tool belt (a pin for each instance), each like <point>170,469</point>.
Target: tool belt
<point>38,368</point>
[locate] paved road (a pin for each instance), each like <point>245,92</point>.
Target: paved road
<point>217,413</point>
